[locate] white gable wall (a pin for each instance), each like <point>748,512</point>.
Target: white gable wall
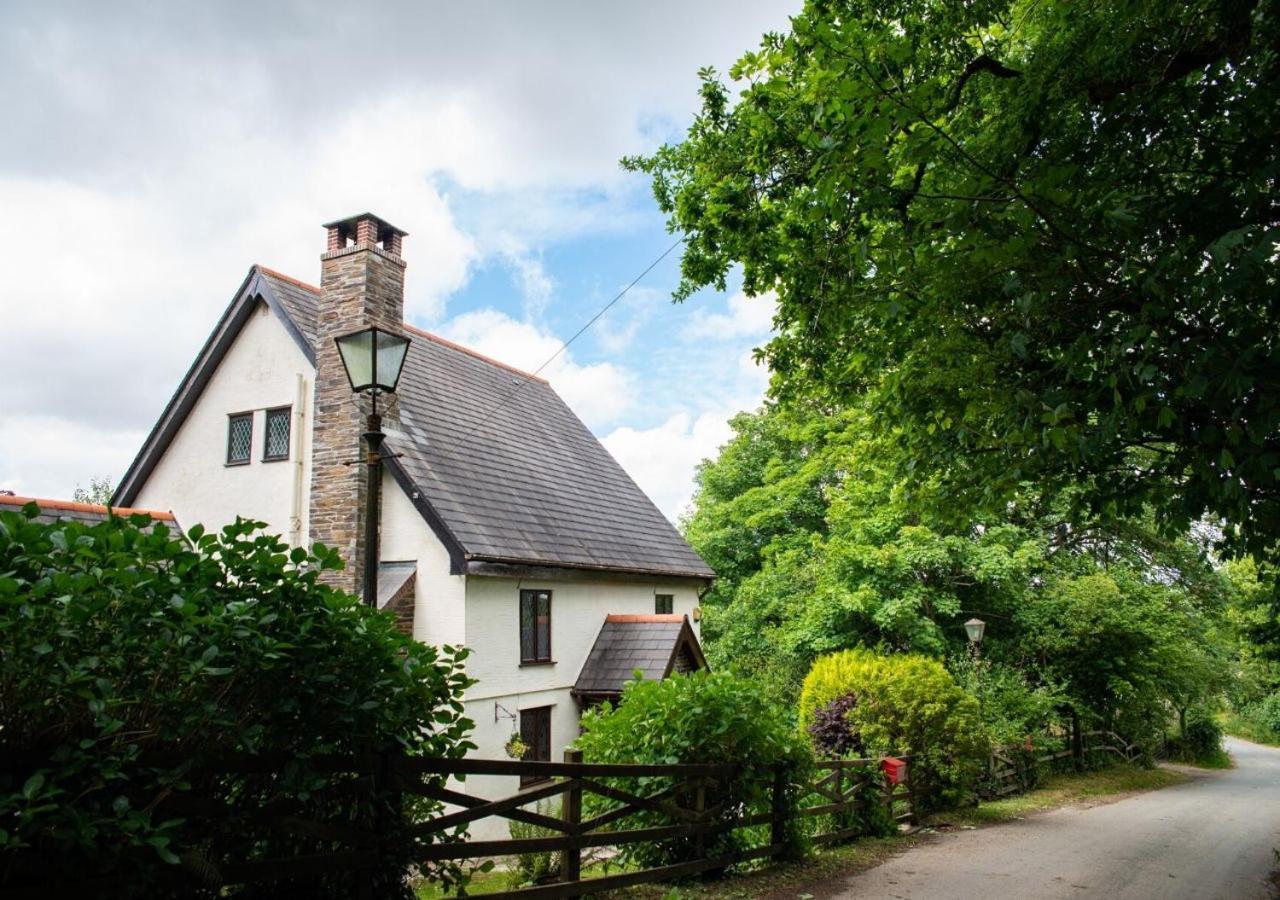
<point>259,372</point>
<point>440,598</point>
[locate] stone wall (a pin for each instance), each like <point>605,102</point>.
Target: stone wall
<point>361,284</point>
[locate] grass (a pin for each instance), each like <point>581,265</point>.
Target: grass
<point>791,879</point>
<point>1238,726</point>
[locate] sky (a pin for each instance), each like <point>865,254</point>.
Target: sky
<point>153,152</point>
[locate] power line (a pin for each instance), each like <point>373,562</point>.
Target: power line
<point>563,347</point>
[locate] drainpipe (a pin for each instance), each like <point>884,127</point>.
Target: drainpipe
<point>301,446</point>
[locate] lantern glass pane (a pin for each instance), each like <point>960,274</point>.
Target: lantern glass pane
<point>357,358</point>
<point>391,352</point>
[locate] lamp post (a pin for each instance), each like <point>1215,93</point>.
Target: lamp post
<point>373,359</point>
<point>975,628</point>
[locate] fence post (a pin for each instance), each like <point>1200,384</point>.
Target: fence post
<point>778,827</point>
<point>571,813</point>
<point>1077,741</point>
<point>700,807</point>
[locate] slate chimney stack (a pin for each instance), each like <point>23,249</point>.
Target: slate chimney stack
<point>361,284</point>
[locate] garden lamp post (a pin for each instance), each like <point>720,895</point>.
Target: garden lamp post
<point>373,359</point>
<point>975,628</point>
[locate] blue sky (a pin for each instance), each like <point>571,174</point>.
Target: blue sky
<point>154,153</point>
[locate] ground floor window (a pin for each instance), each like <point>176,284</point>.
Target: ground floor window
<point>535,733</point>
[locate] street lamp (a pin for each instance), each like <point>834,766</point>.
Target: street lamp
<point>975,628</point>
<point>373,359</point>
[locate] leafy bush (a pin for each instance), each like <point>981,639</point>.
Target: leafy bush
<point>1199,740</point>
<point>907,705</point>
<point>830,730</point>
<point>1010,707</point>
<point>704,717</point>
<point>1258,721</point>
<point>133,660</point>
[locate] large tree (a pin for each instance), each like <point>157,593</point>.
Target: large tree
<point>1043,234</point>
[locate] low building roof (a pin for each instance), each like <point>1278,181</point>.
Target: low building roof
<point>653,645</point>
<point>71,510</point>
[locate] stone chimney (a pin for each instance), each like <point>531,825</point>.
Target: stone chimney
<point>361,284</point>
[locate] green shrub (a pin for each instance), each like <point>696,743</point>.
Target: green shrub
<point>907,705</point>
<point>1199,740</point>
<point>132,659</point>
<point>705,717</point>
<point>534,868</point>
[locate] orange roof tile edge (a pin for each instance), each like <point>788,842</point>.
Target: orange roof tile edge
<point>73,506</point>
<point>445,342</point>
<point>289,278</point>
<point>650,617</point>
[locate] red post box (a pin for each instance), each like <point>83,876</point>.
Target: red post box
<point>895,770</point>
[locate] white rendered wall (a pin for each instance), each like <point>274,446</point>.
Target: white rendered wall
<point>192,479</point>
<point>578,609</point>
<point>440,598</point>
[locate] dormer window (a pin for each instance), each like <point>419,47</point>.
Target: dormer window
<point>239,438</point>
<point>275,444</point>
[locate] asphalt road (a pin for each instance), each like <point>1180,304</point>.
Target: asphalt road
<point>1210,837</point>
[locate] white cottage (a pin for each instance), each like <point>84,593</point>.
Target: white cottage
<point>505,525</point>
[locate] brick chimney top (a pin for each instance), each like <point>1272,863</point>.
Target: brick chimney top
<point>366,230</point>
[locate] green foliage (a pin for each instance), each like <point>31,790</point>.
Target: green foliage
<point>1045,256</point>
<point>704,717</point>
<point>1012,707</point>
<point>907,704</point>
<point>1199,739</point>
<point>535,868</point>
<point>99,491</point>
<point>133,659</point>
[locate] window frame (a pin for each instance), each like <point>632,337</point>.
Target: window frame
<point>661,600</point>
<point>538,718</point>
<point>534,659</point>
<point>266,433</point>
<point>232,418</point>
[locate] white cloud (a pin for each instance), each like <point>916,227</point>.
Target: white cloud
<point>745,317</point>
<point>59,456</point>
<point>600,393</point>
<point>664,459</point>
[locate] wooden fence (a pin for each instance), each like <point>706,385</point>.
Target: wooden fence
<point>1016,768</point>
<point>632,804</point>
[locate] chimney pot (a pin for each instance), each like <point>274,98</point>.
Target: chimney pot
<point>364,230</point>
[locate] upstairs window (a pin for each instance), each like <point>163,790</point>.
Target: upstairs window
<point>239,438</point>
<point>535,626</point>
<point>276,443</point>
<point>663,604</point>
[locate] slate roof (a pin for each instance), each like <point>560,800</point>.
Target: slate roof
<point>495,461</point>
<point>392,577</point>
<point>629,643</point>
<point>69,510</point>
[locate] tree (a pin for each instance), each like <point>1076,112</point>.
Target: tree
<point>99,491</point>
<point>1107,616</point>
<point>1046,257</point>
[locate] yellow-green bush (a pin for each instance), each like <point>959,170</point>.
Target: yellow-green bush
<point>906,704</point>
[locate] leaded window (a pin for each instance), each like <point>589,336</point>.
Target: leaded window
<point>239,438</point>
<point>535,626</point>
<point>276,442</point>
<point>535,733</point>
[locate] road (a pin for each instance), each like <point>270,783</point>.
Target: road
<point>1210,837</point>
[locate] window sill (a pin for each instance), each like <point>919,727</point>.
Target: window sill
<point>536,663</point>
<point>540,780</point>
<point>270,459</point>
<point>236,465</point>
